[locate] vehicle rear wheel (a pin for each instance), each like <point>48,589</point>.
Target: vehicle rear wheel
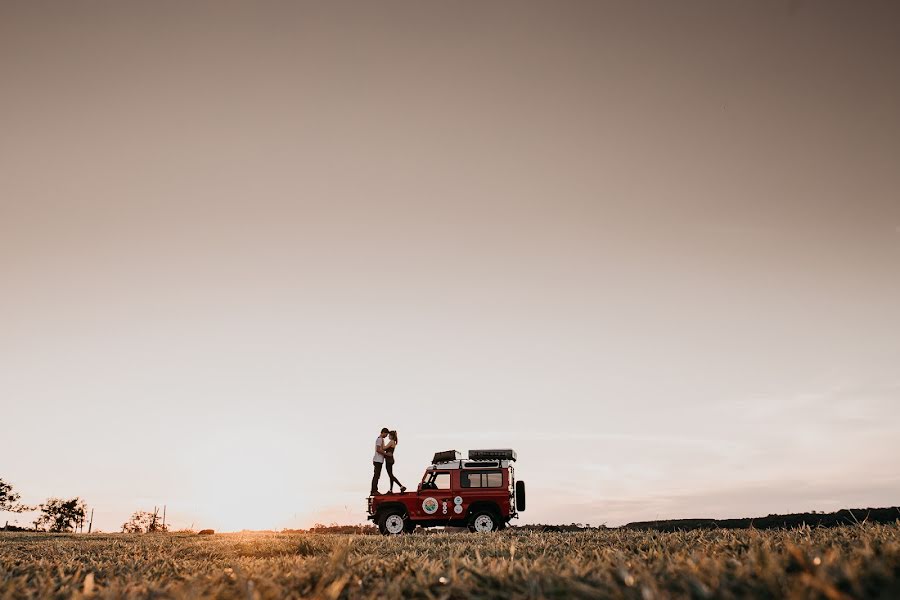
<point>392,522</point>
<point>483,521</point>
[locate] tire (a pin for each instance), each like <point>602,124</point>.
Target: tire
<point>409,526</point>
<point>484,521</point>
<point>392,522</point>
<point>520,496</point>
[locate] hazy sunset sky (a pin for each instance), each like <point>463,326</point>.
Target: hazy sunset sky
<point>653,246</point>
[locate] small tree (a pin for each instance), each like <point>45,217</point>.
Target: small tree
<point>61,515</point>
<point>143,521</point>
<point>9,499</point>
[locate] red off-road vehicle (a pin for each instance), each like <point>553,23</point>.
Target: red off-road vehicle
<point>481,493</point>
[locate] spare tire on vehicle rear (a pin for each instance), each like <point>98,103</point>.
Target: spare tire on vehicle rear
<point>520,495</point>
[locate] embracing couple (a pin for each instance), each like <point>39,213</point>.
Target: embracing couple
<point>384,456</point>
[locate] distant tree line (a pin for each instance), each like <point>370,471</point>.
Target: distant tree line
<point>558,528</point>
<point>844,516</point>
<point>59,515</point>
<point>56,514</point>
<point>335,528</point>
<point>9,499</point>
<point>143,521</point>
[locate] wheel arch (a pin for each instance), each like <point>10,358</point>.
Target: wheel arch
<point>390,506</point>
<point>486,505</point>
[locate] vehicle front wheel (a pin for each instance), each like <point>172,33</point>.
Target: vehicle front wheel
<point>483,521</point>
<point>392,523</point>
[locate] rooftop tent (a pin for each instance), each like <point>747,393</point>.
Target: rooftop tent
<point>493,454</point>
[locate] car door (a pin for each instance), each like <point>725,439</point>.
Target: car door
<point>436,502</point>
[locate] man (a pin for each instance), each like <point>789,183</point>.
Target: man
<point>378,460</point>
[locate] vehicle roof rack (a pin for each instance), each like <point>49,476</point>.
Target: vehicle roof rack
<point>493,454</point>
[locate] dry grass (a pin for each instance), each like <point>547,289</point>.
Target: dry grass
<point>859,562</point>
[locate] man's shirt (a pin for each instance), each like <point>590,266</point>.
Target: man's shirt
<point>379,443</point>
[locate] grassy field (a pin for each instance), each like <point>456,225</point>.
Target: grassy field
<point>860,561</point>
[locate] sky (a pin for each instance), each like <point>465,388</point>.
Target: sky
<point>652,246</point>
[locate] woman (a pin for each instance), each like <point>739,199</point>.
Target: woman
<point>389,460</point>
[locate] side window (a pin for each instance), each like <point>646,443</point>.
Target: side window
<point>492,479</point>
<point>442,481</point>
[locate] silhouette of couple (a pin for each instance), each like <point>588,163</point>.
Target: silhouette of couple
<point>384,456</point>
